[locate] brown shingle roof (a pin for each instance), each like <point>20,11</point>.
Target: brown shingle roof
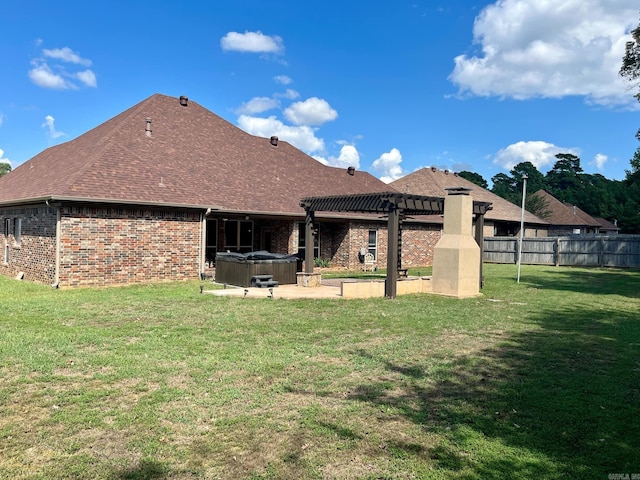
<point>565,213</point>
<point>606,225</point>
<point>434,182</point>
<point>193,157</point>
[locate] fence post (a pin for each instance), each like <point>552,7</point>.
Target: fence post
<point>556,251</point>
<point>601,253</point>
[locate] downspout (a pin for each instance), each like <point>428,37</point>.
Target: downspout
<point>203,240</point>
<point>56,277</point>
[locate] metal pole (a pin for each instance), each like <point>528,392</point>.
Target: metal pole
<point>524,195</point>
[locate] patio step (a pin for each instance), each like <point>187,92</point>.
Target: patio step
<point>263,281</point>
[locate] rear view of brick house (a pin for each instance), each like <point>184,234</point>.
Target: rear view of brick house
<point>153,193</point>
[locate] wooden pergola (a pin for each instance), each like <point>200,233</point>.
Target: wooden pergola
<point>395,206</point>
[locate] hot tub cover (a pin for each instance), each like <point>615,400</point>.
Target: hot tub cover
<point>256,256</point>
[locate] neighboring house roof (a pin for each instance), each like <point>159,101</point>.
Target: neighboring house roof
<point>606,225</point>
<point>192,157</point>
<point>434,182</point>
<point>563,213</point>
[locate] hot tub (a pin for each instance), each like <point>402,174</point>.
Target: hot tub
<point>239,268</point>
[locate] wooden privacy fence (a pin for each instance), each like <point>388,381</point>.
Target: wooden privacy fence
<point>574,250</point>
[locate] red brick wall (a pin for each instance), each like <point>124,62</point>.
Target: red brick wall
<point>34,254</point>
<point>111,246</point>
<point>418,242</point>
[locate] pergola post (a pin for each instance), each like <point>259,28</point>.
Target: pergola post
<point>309,242</point>
<point>393,228</point>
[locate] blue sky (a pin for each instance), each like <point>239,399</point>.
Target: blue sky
<point>388,87</point>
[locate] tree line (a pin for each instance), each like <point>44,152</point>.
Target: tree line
<point>613,200</point>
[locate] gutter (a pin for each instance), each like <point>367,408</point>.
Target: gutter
<point>110,201</point>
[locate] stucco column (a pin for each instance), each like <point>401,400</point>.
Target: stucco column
<point>456,257</point>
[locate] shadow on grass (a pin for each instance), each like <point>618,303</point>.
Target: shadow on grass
<point>146,470</point>
<point>592,281</point>
<point>562,401</point>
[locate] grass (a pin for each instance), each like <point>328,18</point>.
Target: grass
<point>539,379</point>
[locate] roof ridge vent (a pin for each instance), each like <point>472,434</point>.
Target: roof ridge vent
<point>184,101</point>
<point>274,141</point>
<point>147,129</point>
<point>351,171</point>
<point>433,169</point>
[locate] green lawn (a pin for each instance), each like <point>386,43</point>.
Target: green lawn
<point>534,380</point>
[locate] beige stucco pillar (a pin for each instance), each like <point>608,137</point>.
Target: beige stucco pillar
<point>456,257</point>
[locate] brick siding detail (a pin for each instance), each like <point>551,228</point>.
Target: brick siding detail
<point>110,246</point>
<point>341,242</point>
<point>34,254</point>
<point>418,243</point>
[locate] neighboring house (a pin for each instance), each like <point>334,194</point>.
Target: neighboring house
<point>153,193</point>
<point>607,227</point>
<point>503,220</point>
<point>566,219</point>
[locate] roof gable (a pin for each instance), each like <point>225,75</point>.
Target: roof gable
<point>190,157</point>
<point>434,182</point>
<point>563,213</point>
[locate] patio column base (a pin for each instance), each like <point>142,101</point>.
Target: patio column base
<point>309,279</point>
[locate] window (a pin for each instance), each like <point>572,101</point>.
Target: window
<point>7,225</point>
<point>211,241</point>
<point>17,230</point>
<point>238,235</point>
<point>372,245</point>
<point>302,241</point>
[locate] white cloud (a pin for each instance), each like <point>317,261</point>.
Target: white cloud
<point>258,105</point>
<point>313,111</point>
<point>44,77</point>
<point>66,55</point>
<point>88,78</point>
<point>388,165</point>
<point>534,48</point>
<point>3,159</point>
<point>289,94</point>
<point>1,119</point>
<point>539,153</point>
<point>283,79</point>
<point>252,42</point>
<point>51,71</point>
<point>49,124</point>
<point>302,137</point>
<point>599,160</point>
<point>349,157</point>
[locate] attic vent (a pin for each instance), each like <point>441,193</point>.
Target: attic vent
<point>446,172</point>
<point>455,174</point>
<point>351,171</point>
<point>274,141</point>
<point>433,169</point>
<point>184,101</point>
<point>147,129</point>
